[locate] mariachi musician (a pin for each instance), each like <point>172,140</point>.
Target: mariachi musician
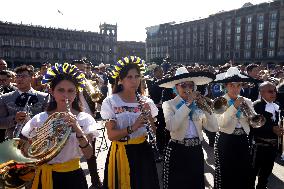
<point>265,138</point>
<point>185,116</point>
<point>231,150</point>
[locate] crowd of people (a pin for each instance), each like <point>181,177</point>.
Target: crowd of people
<point>150,115</point>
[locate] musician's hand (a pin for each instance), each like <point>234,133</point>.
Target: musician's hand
<point>192,96</point>
<point>20,117</point>
<point>238,101</point>
<point>278,131</point>
<point>71,120</point>
<point>140,121</point>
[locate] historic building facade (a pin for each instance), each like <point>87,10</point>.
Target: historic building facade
<point>127,48</point>
<point>28,44</point>
<point>251,33</point>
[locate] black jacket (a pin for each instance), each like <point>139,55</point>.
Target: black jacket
<point>266,130</point>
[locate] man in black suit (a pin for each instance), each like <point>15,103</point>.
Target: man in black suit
<point>12,104</point>
<point>265,137</point>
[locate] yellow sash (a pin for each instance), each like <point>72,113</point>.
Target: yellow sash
<point>46,172</point>
<point>118,155</point>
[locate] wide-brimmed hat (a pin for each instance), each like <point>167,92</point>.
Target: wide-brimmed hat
<point>233,74</point>
<point>182,75</point>
<point>102,65</point>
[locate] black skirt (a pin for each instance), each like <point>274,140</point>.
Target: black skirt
<point>143,171</point>
<point>183,167</point>
<point>232,161</point>
<point>66,180</point>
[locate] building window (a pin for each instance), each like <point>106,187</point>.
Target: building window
<point>238,29</point>
<point>228,31</point>
<point>237,46</point>
<point>228,23</point>
<point>237,55</point>
<point>258,54</point>
<point>210,56</point>
<point>249,28</point>
<point>219,32</point>
<point>248,37</point>
<point>271,44</point>
<point>272,34</point>
<point>260,18</point>
<point>219,24</point>
<point>227,46</point>
<point>260,26</point>
<point>270,53</point>
<point>247,54</point>
<point>218,47</point>
<point>218,55</point>
<point>238,37</point>
<point>273,15</point>
<point>249,19</point>
<point>259,44</point>
<point>259,35</point>
<point>247,45</point>
<point>238,21</point>
<point>272,25</point>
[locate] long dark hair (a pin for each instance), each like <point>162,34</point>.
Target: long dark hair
<point>52,105</point>
<point>122,74</point>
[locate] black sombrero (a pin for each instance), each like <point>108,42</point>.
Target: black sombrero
<point>182,75</point>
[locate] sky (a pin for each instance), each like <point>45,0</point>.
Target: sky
<point>131,16</point>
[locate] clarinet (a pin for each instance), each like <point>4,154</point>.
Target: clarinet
<point>150,132</point>
<point>19,126</point>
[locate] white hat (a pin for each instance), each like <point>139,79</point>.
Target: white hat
<point>182,75</point>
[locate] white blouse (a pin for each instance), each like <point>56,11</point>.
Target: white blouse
<point>71,149</point>
<point>125,114</point>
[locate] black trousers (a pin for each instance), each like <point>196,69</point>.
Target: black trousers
<point>263,158</point>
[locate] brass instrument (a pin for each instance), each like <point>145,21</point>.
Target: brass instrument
<point>202,102</point>
<point>220,105</point>
<point>92,88</point>
<point>19,159</point>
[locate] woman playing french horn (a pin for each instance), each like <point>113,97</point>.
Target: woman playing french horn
<point>232,165</point>
<point>130,162</point>
<point>63,171</point>
<point>184,161</point>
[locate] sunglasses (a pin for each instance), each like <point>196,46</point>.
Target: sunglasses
<point>186,85</point>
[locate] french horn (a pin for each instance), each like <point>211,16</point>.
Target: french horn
<point>19,158</point>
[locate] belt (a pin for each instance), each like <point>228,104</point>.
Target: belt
<point>187,141</point>
<point>239,131</point>
<point>265,141</point>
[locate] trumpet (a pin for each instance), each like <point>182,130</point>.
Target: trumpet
<point>204,103</point>
<point>220,105</point>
